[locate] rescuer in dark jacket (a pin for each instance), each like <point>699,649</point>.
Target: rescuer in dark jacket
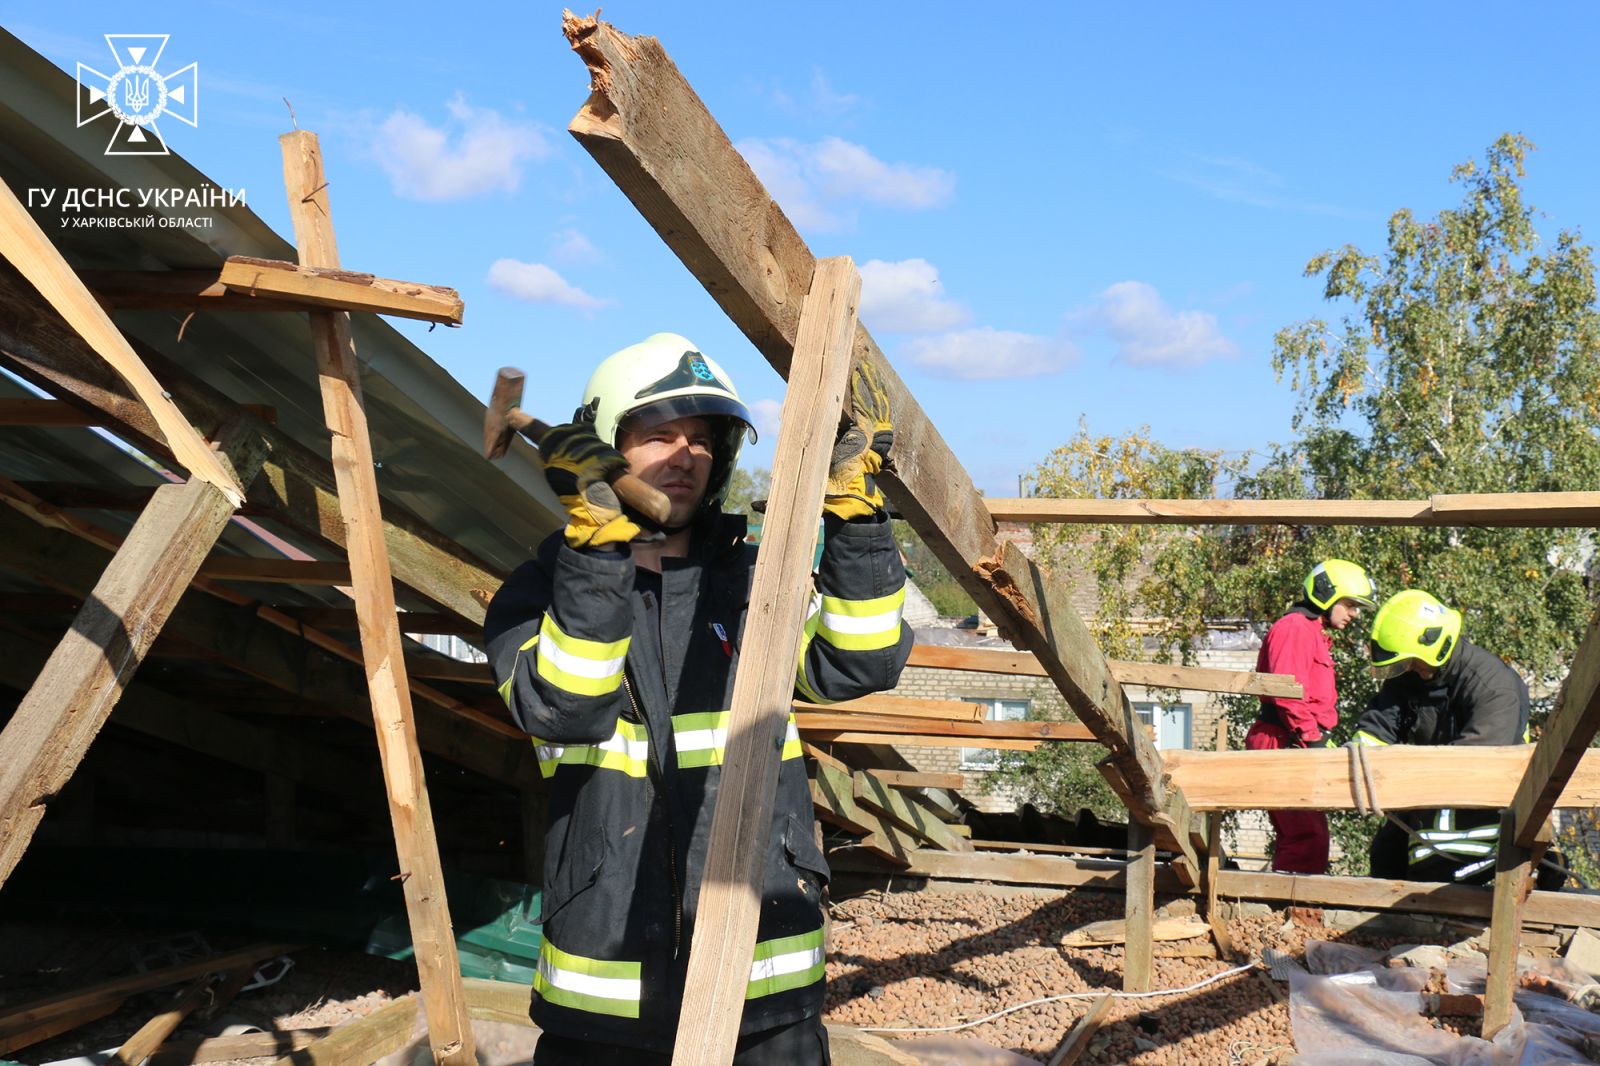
<point>616,651</point>
<point>1438,688</point>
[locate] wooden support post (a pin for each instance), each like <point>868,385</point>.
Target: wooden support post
<point>723,943</point>
<point>1219,927</point>
<point>438,969</point>
<point>1513,880</point>
<point>62,713</point>
<point>1139,908</point>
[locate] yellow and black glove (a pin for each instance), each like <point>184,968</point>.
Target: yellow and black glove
<point>860,450</point>
<point>577,464</point>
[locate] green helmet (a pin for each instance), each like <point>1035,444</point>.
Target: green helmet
<point>1412,625</point>
<point>1333,580</point>
<point>661,378</point>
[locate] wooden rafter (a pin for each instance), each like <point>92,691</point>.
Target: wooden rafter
<point>340,290</point>
<point>339,375</point>
<point>1562,756</point>
<point>1126,672</point>
<point>63,711</point>
<point>723,943</point>
<point>1521,509</point>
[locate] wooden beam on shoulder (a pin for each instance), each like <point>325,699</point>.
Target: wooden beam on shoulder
<point>1404,777</point>
<point>724,939</point>
<point>652,134</point>
<point>1519,509</point>
<point>339,290</point>
<point>63,712</point>
<point>339,376</point>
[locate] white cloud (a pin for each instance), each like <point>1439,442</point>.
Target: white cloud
<point>907,297</point>
<point>768,415</point>
<point>537,283</point>
<point>572,246</point>
<point>808,180</point>
<point>825,98</point>
<point>478,151</point>
<point>987,353</point>
<point>1149,333</point>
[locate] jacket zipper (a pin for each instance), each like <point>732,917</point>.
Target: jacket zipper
<point>658,771</point>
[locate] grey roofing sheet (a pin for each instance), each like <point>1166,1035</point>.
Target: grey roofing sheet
<point>426,428</point>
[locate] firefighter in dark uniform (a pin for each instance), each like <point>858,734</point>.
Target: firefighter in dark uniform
<point>615,648</point>
<point>1438,688</point>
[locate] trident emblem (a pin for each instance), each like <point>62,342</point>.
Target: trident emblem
<point>137,93</point>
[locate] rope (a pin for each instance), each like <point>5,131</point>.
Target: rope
<point>1055,999</point>
<point>1367,797</point>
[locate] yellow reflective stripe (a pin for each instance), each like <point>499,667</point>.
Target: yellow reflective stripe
<point>505,686</point>
<point>786,963</point>
<point>594,985</point>
<point>701,739</point>
<point>862,625</point>
<point>627,752</point>
<point>807,635</point>
<point>1367,740</point>
<point>583,667</point>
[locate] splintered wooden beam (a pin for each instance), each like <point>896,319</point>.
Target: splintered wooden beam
<point>368,1039</point>
<point>1127,672</point>
<point>652,134</point>
<point>1562,754</point>
<point>723,944</point>
<point>339,376</point>
<point>58,719</point>
<point>340,290</point>
<point>1404,777</point>
<point>1519,509</point>
<point>30,251</point>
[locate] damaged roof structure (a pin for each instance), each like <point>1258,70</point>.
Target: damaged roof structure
<point>240,648</point>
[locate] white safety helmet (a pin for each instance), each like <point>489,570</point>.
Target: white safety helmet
<point>661,378</point>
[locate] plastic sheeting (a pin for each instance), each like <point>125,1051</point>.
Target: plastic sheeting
<point>1353,1009</point>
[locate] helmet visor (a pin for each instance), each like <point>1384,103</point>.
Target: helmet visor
<point>690,405</point>
<point>1388,670</point>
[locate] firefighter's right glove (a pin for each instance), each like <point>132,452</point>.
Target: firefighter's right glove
<point>578,466</point>
<point>860,450</point>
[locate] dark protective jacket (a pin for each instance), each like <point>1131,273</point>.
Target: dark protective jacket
<point>1474,699</point>
<point>623,678</point>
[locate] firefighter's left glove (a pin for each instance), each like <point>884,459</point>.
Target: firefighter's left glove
<point>579,465</point>
<point>860,450</point>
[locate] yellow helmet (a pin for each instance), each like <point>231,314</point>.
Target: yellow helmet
<point>1412,625</point>
<point>1333,580</point>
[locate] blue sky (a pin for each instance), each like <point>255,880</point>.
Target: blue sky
<point>1058,209</point>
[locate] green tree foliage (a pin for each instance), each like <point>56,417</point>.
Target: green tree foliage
<point>746,487</point>
<point>1466,359</point>
<point>923,567</point>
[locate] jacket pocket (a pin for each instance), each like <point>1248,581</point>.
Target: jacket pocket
<point>575,868</point>
<point>800,845</point>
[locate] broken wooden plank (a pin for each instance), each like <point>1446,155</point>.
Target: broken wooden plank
<point>1077,1040</point>
<point>340,290</point>
<point>1115,931</point>
<point>21,1036</point>
<point>1127,672</point>
<point>723,943</point>
<point>1520,509</point>
<point>171,290</point>
<point>296,485</point>
<point>149,1037</point>
<point>653,135</point>
<point>873,794</point>
<point>1563,748</point>
<point>919,778</point>
<point>339,377</point>
<point>905,706</point>
<point>1404,776</point>
<point>976,732</point>
<point>383,1032</point>
<point>1048,870</point>
<point>242,1046</point>
<point>63,712</point>
<point>30,251</point>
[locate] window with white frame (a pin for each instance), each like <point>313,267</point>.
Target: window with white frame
<point>1171,723</point>
<point>998,711</point>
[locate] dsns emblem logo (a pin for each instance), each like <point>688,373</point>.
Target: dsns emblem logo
<point>697,364</point>
<point>138,93</point>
